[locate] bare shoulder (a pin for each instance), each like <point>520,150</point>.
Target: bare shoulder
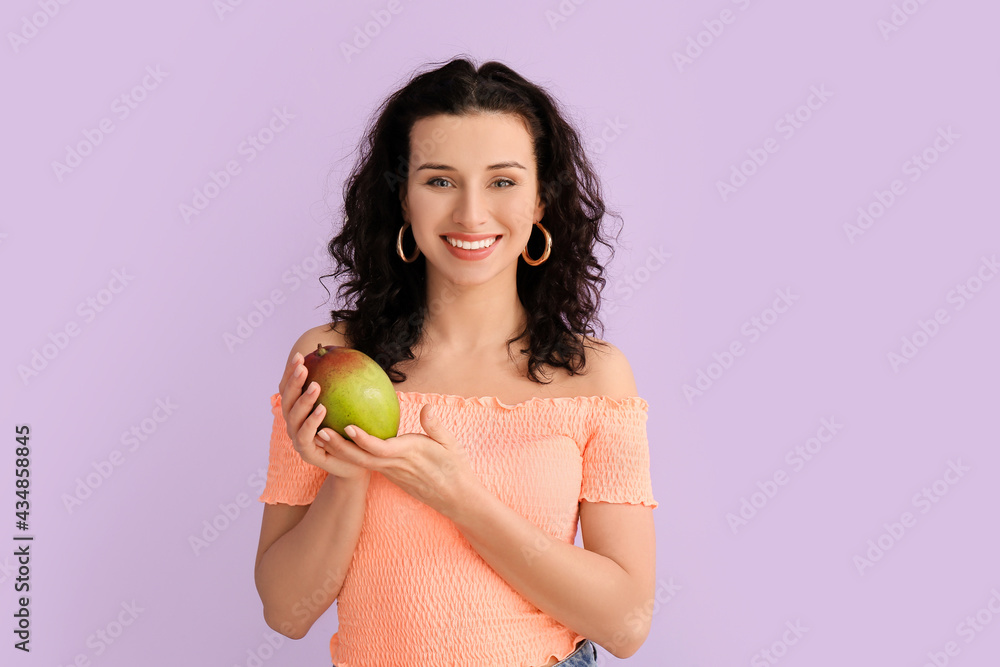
<point>609,371</point>
<point>325,334</point>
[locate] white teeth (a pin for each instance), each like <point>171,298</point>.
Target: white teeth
<point>471,245</point>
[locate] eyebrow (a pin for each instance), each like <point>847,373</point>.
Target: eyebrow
<point>492,167</point>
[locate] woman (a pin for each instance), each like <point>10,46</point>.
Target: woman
<point>452,543</point>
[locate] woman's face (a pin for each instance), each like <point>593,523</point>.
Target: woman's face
<point>471,178</point>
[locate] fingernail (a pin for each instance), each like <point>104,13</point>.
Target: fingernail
<point>351,431</point>
<point>324,435</point>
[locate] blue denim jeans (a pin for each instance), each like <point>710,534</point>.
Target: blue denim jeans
<point>585,655</point>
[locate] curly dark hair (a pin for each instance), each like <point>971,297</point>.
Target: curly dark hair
<point>385,298</point>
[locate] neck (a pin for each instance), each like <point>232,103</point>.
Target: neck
<point>467,319</point>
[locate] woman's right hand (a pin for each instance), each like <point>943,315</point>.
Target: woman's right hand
<point>302,424</point>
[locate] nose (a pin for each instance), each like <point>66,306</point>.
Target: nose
<point>472,209</point>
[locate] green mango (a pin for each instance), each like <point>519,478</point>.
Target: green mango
<point>354,389</point>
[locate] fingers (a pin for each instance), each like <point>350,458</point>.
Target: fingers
<point>303,408</point>
<point>308,418</point>
<point>295,409</point>
<point>289,369</point>
<point>292,385</point>
<point>353,452</point>
<point>435,430</point>
<point>336,446</point>
<point>369,443</point>
<point>306,438</point>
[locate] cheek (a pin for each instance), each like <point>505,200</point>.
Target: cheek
<point>417,201</point>
<point>423,211</point>
<point>520,211</point>
<point>520,236</point>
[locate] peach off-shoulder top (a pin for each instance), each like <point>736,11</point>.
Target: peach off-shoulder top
<point>416,592</point>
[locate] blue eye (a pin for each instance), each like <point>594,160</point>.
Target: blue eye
<point>509,183</point>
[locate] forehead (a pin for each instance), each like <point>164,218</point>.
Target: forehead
<point>470,140</point>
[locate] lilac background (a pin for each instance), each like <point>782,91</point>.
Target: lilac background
<point>679,132</point>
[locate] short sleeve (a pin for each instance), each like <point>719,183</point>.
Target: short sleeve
<point>290,480</point>
<point>616,454</point>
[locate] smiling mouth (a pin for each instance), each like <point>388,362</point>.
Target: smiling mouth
<point>471,245</point>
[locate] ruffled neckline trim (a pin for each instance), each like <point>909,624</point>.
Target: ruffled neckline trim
<point>494,402</point>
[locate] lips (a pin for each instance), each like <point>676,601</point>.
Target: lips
<point>478,253</point>
<point>460,236</point>
<point>459,239</point>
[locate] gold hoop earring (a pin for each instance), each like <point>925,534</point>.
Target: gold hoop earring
<point>545,255</point>
<point>399,245</point>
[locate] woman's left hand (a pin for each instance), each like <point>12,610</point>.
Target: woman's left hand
<point>432,468</point>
